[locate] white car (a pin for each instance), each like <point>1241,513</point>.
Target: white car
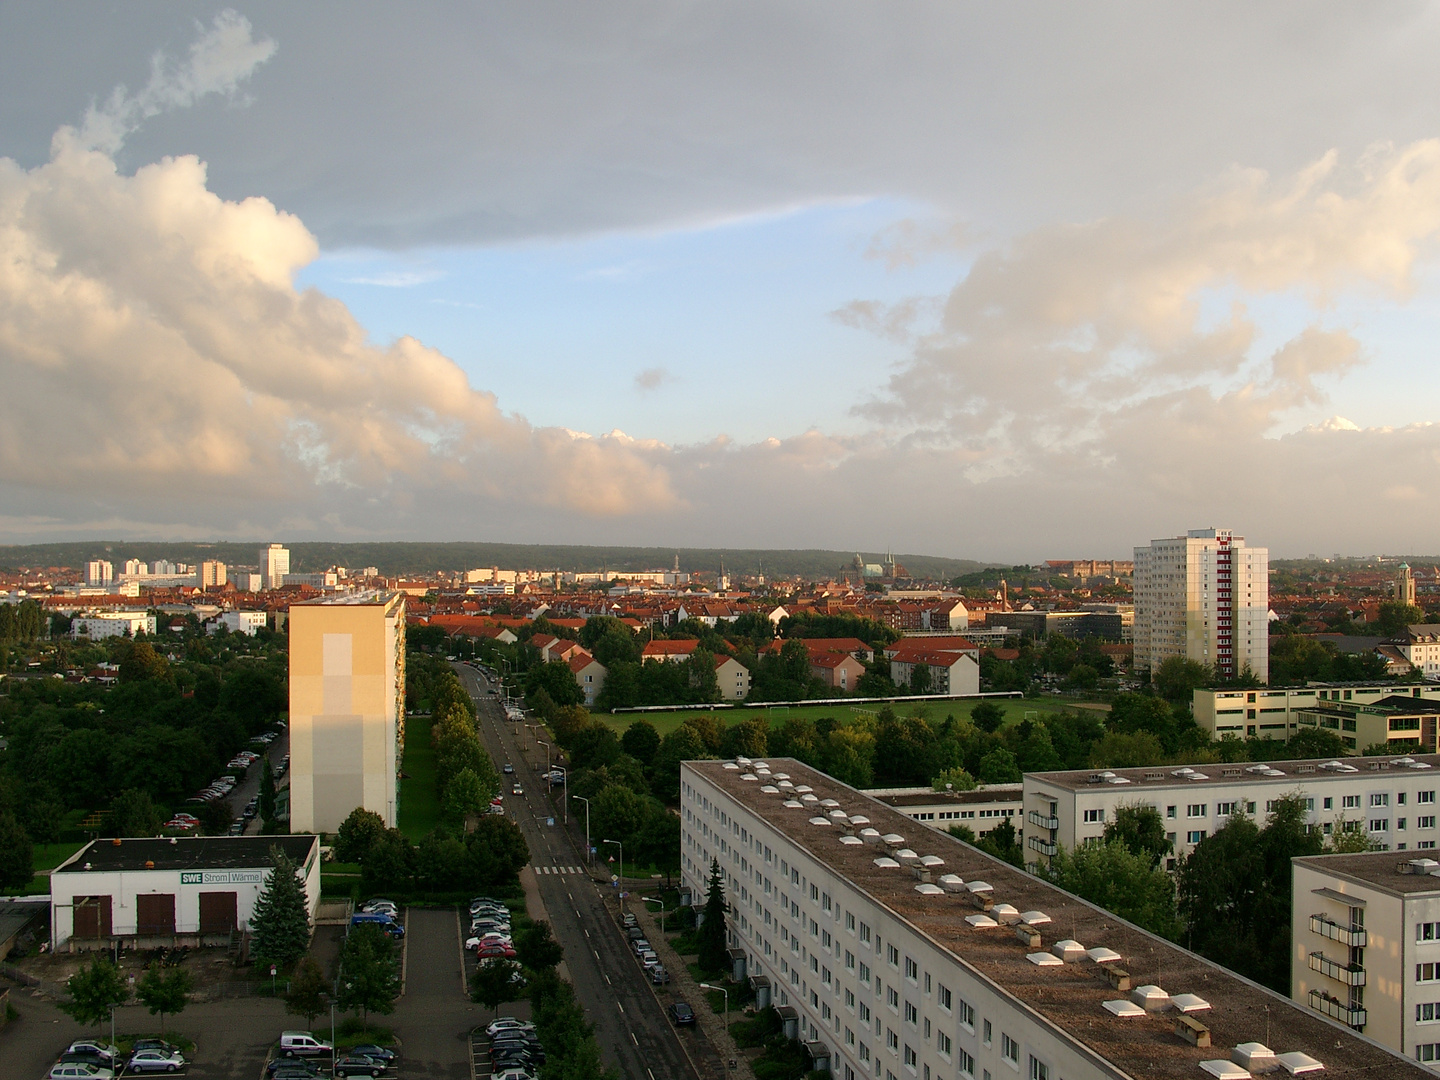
<point>79,1070</point>
<point>513,1074</point>
<point>156,1061</point>
<point>508,1023</point>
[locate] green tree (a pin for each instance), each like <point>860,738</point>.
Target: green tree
<point>494,982</point>
<point>954,780</point>
<point>93,990</point>
<point>1141,830</point>
<point>987,716</point>
<point>1122,750</point>
<point>134,813</point>
<point>267,792</point>
<point>1395,616</point>
<point>998,767</point>
<point>369,973</point>
<point>390,864</point>
<point>920,680</point>
<point>164,991</point>
<point>1119,880</point>
<point>357,835</point>
<point>641,741</point>
<point>714,949</point>
<point>497,850</point>
<point>280,925</point>
<point>309,991</point>
<point>17,862</point>
<point>536,948</point>
<point>682,744</point>
<point>1351,841</point>
<point>1178,677</point>
<point>463,796</point>
<point>1003,843</point>
<point>143,664</point>
<point>617,813</point>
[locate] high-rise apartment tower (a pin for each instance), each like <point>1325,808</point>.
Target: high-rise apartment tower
<point>274,565</point>
<point>1204,596</point>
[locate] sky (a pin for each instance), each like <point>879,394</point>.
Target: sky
<point>1004,282</point>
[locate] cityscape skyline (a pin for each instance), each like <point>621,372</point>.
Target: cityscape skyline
<point>739,319</point>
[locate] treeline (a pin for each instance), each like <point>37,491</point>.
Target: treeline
<point>1296,659</point>
<point>23,622</point>
<point>446,861</point>
<point>465,777</point>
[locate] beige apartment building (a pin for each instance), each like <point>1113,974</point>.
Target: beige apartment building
<point>347,701</point>
<point>1365,947</point>
<point>1274,712</point>
<point>1205,596</point>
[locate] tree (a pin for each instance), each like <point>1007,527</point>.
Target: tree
<point>998,767</point>
<point>1178,677</point>
<point>1002,843</point>
<point>94,989</point>
<point>1395,615</point>
<point>617,813</point>
<point>463,796</point>
<point>144,664</point>
<point>17,856</point>
<point>357,835</point>
<point>1119,880</point>
<point>1122,750</point>
<point>954,780</point>
<point>987,716</point>
<point>494,982</point>
<point>390,863</point>
<point>369,974</point>
<point>714,948</point>
<point>1350,841</point>
<point>536,948</point>
<point>133,813</point>
<point>640,741</point>
<point>163,991</point>
<point>920,679</point>
<point>309,991</point>
<point>1140,829</point>
<point>280,925</point>
<point>267,792</point>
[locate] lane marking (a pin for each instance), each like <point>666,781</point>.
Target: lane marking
<point>620,1006</point>
<point>607,980</point>
<point>636,1042</point>
<point>597,953</point>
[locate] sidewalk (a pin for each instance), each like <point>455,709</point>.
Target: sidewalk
<point>535,908</point>
<point>683,984</point>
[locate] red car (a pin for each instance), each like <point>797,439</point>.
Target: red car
<point>487,951</point>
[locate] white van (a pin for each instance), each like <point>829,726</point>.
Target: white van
<point>303,1044</point>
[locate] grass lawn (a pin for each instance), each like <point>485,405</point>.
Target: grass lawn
<point>419,802</point>
<point>49,856</point>
<point>839,709</point>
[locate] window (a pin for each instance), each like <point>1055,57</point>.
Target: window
<point>1425,821</point>
<point>1427,1012</point>
<point>945,997</point>
<point>912,1014</point>
<point>893,955</point>
<point>864,1013</point>
<point>912,969</point>
<point>1400,799</point>
<point>814,894</point>
<point>864,1052</point>
<point>1427,931</point>
<point>1399,823</point>
<point>1379,824</point>
<point>1329,803</point>
<point>1425,796</point>
<point>1196,809</point>
<point>865,973</point>
<point>849,1037</point>
<point>892,998</point>
<point>1195,836</point>
<point>967,1064</point>
<point>944,1044</point>
<point>849,998</point>
<point>1038,1069</point>
<point>1094,816</point>
<point>1225,809</point>
<point>864,933</point>
<point>910,1056</point>
<point>1009,1049</point>
<point>892,1040</point>
<point>927,983</point>
<point>1350,802</point>
<point>1170,811</point>
<point>967,1017</point>
<point>850,922</point>
<point>1427,972</point>
<point>1380,798</point>
<point>1427,1051</point>
<point>988,1033</point>
<point>849,960</point>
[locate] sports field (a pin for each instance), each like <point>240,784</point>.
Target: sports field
<point>839,709</point>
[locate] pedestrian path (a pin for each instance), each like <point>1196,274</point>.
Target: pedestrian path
<point>558,869</point>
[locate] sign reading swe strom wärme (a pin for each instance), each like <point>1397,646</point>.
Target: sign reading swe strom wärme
<point>222,877</point>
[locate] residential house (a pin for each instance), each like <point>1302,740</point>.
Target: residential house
<point>589,673</point>
<point>733,678</point>
<point>954,663</point>
<point>678,649</point>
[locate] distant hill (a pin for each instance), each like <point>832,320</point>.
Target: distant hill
<point>397,558</point>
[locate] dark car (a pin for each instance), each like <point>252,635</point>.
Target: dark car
<point>503,1039</point>
<point>508,768</point>
<point>291,1067</point>
<point>154,1044</point>
<point>87,1057</point>
<point>375,1053</point>
<point>681,1014</point>
<point>352,1065</point>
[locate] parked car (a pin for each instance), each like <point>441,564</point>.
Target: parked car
<point>628,920</point>
<point>87,1057</point>
<point>513,1074</point>
<point>508,1023</point>
<point>303,1044</point>
<point>79,1070</point>
<point>156,1061</point>
<point>640,945</point>
<point>80,1046</point>
<point>386,907</point>
<point>681,1014</point>
<point>375,1053</point>
<point>283,1068</point>
<point>354,1065</point>
<point>635,934</point>
<point>484,952</point>
<point>152,1044</point>
<point>658,975</point>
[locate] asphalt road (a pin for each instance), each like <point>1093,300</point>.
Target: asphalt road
<point>630,1024</point>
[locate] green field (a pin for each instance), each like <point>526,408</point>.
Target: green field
<point>935,711</point>
<point>419,801</point>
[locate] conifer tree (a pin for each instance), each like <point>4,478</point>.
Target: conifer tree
<point>280,925</point>
<point>714,952</point>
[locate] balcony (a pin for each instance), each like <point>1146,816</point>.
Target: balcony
<point>1041,821</point>
<point>1043,846</point>
<point>1353,936</point>
<point>1337,1010</point>
<point>1349,975</point>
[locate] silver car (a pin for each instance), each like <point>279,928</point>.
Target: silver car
<point>156,1061</point>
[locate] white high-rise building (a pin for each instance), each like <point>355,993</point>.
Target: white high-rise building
<point>274,565</point>
<point>99,572</point>
<point>1205,596</point>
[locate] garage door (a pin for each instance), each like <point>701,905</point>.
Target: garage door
<point>217,912</point>
<point>155,915</point>
<point>92,916</point>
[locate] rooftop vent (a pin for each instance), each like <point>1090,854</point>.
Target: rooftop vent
<point>1419,866</point>
<point>859,819</point>
<point>1225,1070</point>
<point>730,765</point>
<point>748,776</point>
<point>1231,771</point>
<point>807,797</point>
<point>905,855</point>
<point>979,886</point>
<point>1044,959</point>
<point>820,821</point>
<point>926,889</point>
<point>1188,773</point>
<point>1189,1003</point>
<point>1117,780</point>
<point>1120,1007</point>
<point>829,802</point>
<point>762,765</point>
<point>952,882</point>
<point>1150,997</point>
<point>839,815</point>
<point>870,836</point>
<point>894,839</point>
<point>794,804</point>
<point>981,922</point>
<point>770,789</point>
<point>782,776</point>
<point>742,761</point>
<point>1253,1056</point>
<point>931,861</point>
<point>1034,918</point>
<point>1298,1064</point>
<point>851,840</point>
<point>1068,950</point>
<point>1102,955</point>
<point>804,787</point>
<point>1339,766</point>
<point>886,863</point>
<point>784,783</point>
<point>1257,768</point>
<point>1149,776</point>
<point>1304,768</point>
<point>1006,913</point>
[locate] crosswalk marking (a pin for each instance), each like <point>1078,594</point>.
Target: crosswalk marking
<point>557,869</point>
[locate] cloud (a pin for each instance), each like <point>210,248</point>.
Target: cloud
<point>652,379</point>
<point>396,279</point>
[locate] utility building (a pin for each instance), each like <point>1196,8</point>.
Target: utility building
<point>347,708</point>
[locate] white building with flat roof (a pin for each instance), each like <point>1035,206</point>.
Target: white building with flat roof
<point>1204,596</point>
<point>274,565</point>
<point>898,953</point>
<point>106,624</point>
<point>1274,712</point>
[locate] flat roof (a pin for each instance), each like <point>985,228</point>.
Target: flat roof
<point>959,798</point>
<point>187,853</point>
<point>1376,869</point>
<point>1282,773</point>
<point>1069,996</point>
<point>365,598</point>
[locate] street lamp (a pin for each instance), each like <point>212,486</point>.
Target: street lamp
<point>542,742</point>
<point>661,902</point>
<point>620,877</point>
<point>587,821</point>
<point>564,797</point>
<point>708,986</point>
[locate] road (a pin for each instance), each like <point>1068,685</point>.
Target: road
<point>630,1023</point>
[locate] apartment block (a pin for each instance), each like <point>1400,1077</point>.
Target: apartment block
<point>210,574</point>
<point>980,810</point>
<point>1392,799</point>
<point>1365,947</point>
<point>347,708</point>
<point>1274,712</point>
<point>924,958</point>
<point>274,565</point>
<point>1204,596</point>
